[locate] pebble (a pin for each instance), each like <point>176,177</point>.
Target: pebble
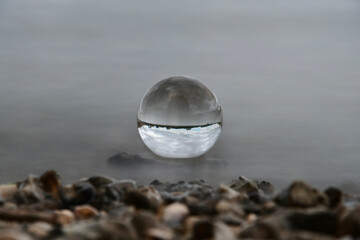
<point>350,225</point>
<point>300,194</point>
<point>102,207</point>
<point>85,212</point>
<point>39,229</point>
<point>65,216</point>
<point>7,191</point>
<point>174,214</point>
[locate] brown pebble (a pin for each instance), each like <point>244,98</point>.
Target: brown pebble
<point>85,211</point>
<point>13,235</point>
<point>203,229</point>
<point>7,191</point>
<point>260,230</point>
<point>300,194</point>
<point>225,206</point>
<point>335,197</point>
<point>251,218</point>
<point>39,229</point>
<point>152,194</point>
<point>65,216</point>
<point>174,213</point>
<point>223,232</point>
<point>159,233</point>
<point>350,225</point>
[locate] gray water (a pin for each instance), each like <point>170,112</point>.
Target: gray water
<point>287,73</point>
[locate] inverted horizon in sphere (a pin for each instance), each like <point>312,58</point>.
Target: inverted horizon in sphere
<point>180,142</point>
<point>179,117</point>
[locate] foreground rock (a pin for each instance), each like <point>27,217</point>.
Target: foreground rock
<point>100,207</point>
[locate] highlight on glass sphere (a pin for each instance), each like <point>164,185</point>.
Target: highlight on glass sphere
<point>179,117</point>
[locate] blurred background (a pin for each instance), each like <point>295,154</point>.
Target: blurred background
<point>287,73</point>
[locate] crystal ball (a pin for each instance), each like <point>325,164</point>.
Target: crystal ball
<point>179,117</point>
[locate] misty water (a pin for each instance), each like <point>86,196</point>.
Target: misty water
<point>287,75</point>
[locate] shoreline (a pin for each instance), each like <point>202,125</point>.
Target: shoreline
<point>100,207</point>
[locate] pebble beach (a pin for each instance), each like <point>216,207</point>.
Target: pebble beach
<point>102,207</point>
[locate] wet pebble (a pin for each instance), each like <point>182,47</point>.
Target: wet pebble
<point>174,214</point>
<point>335,197</point>
<point>85,212</point>
<point>139,201</point>
<point>350,225</point>
<point>65,216</point>
<point>7,191</point>
<point>40,230</point>
<point>300,194</point>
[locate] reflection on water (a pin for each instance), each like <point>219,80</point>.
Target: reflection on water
<point>287,75</point>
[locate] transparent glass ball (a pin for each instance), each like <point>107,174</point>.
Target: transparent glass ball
<point>179,117</point>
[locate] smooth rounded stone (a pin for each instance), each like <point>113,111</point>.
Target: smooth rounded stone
<point>222,232</point>
<point>100,181</point>
<point>202,229</point>
<point>179,117</point>
<point>268,207</point>
<point>173,214</point>
<point>225,206</point>
<point>335,197</point>
<point>323,222</point>
<point>203,208</point>
<point>160,234</point>
<point>113,194</point>
<point>152,194</point>
<point>350,225</point>
<point>126,184</point>
<point>115,191</point>
<point>300,194</point>
<point>85,212</point>
<point>251,218</point>
<point>260,230</point>
<point>40,230</point>
<point>146,224</point>
<point>7,191</point>
<point>65,216</point>
<point>138,200</point>
<point>205,229</point>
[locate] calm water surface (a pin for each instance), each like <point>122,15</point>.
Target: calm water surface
<point>287,73</point>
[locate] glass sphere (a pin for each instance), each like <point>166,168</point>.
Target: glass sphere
<point>179,117</point>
